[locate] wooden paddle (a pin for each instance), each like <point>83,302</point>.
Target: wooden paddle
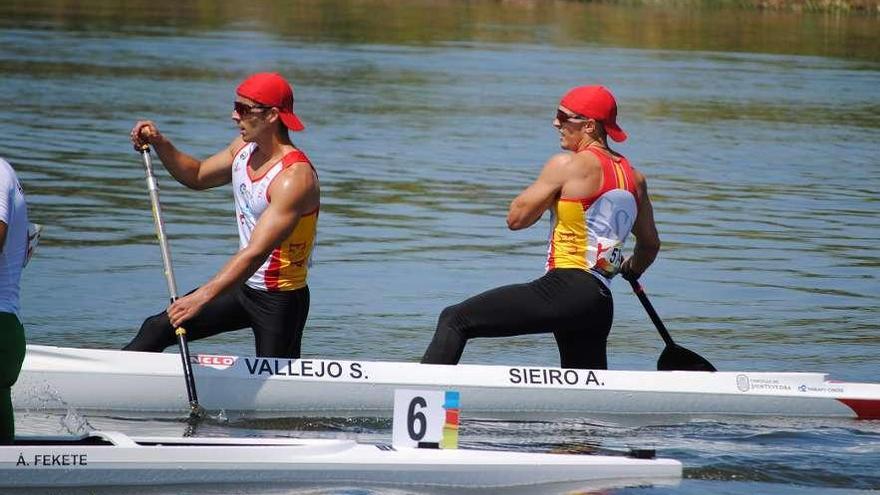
<point>196,411</point>
<point>674,356</point>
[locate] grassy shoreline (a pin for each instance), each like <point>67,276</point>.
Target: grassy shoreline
<point>871,7</point>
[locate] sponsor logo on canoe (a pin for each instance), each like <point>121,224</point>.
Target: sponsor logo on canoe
<point>742,383</point>
<point>832,390</point>
<point>766,384</point>
<point>214,361</point>
<point>50,460</point>
<point>305,368</point>
<point>554,376</point>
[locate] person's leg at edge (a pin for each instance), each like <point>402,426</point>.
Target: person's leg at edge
<point>278,320</point>
<point>517,309</point>
<point>12,349</point>
<point>223,314</point>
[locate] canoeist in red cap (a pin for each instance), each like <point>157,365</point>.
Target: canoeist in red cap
<point>264,285</point>
<point>596,199</point>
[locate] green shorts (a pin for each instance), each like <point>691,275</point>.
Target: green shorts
<point>11,357</point>
<point>11,349</point>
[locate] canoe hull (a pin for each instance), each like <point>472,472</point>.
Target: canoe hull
<point>167,460</point>
<point>89,379</point>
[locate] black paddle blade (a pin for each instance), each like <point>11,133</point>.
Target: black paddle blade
<point>677,358</point>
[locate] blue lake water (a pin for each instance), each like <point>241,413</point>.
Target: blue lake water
<point>759,139</point>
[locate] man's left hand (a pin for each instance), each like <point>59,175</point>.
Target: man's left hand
<point>627,272</point>
<point>186,308</point>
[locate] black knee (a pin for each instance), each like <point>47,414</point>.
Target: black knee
<point>155,335</point>
<point>451,320</point>
<point>449,340</point>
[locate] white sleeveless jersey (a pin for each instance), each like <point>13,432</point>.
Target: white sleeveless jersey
<point>286,268</point>
<point>13,212</point>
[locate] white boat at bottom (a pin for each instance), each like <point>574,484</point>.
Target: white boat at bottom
<point>112,458</point>
<point>107,380</point>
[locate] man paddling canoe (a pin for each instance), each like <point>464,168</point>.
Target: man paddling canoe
<point>264,285</point>
<point>596,199</point>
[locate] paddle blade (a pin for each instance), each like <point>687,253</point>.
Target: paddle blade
<point>677,358</point>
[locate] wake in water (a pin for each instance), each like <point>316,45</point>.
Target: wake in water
<point>43,399</point>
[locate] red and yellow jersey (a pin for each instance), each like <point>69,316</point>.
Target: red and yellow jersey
<point>287,266</point>
<point>588,233</point>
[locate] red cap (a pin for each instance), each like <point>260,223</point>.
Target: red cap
<point>270,89</point>
<point>595,102</point>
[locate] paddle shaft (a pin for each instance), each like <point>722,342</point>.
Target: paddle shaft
<point>649,308</point>
<point>153,188</point>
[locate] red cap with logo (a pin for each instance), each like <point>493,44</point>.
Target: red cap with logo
<point>595,102</point>
<point>272,90</point>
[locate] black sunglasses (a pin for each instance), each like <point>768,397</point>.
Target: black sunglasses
<point>563,117</point>
<point>243,109</point>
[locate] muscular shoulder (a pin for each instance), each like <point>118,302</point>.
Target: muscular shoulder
<point>559,167</point>
<point>296,185</point>
<point>572,170</point>
<point>299,172</point>
<point>559,160</point>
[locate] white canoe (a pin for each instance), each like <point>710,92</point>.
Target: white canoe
<point>106,380</point>
<point>112,458</point>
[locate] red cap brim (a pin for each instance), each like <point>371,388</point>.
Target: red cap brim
<point>292,121</point>
<point>615,132</point>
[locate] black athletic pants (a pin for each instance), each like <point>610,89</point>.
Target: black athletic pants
<point>571,303</point>
<point>277,320</point>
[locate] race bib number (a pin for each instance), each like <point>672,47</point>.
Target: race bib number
<point>425,418</point>
<point>610,258</point>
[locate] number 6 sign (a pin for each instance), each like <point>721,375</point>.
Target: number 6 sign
<point>425,418</point>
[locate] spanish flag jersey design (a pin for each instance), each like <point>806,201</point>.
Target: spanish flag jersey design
<point>287,266</point>
<point>588,233</point>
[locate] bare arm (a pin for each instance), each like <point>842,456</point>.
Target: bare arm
<point>294,193</point>
<point>528,207</point>
<point>3,229</point>
<point>647,239</point>
<point>189,171</point>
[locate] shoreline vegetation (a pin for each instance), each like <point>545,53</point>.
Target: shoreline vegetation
<point>214,7</point>
<point>871,7</point>
<point>830,28</point>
